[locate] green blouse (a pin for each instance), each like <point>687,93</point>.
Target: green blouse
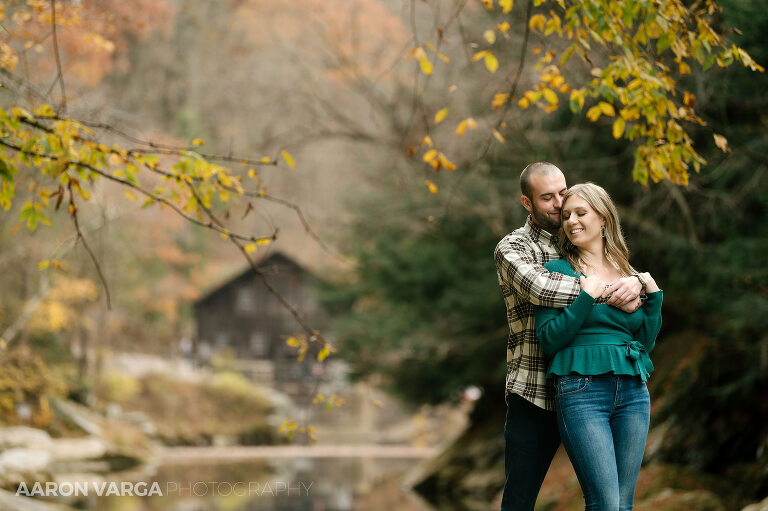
<point>589,339</point>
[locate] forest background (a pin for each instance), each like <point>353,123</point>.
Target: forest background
<point>407,246</point>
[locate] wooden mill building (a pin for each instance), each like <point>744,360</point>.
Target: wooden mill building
<point>241,316</point>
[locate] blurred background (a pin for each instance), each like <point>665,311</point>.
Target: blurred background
<point>194,375</point>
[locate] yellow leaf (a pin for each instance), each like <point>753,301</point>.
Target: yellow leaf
<point>319,398</point>
<point>263,241</point>
<point>506,5</point>
<point>323,353</point>
<point>594,113</point>
<point>565,88</point>
<point>292,341</point>
<point>288,159</point>
<point>537,21</point>
<point>524,103</point>
<point>471,123</point>
<point>427,141</point>
<point>498,136</point>
<point>250,248</point>
<point>443,56</point>
<point>689,99</point>
<point>440,116</point>
<point>488,4</point>
<point>266,159</point>
<point>550,96</point>
<point>445,162</point>
<point>721,142</point>
<point>606,108</point>
<point>418,52</point>
<point>499,100</point>
<point>56,264</point>
<point>426,66</point>
<point>504,27</point>
<point>197,142</point>
<point>43,265</point>
<point>490,36</point>
<point>461,128</point>
<point>252,173</point>
<point>618,127</point>
<point>630,114</point>
<point>479,55</point>
<point>685,68</point>
<point>430,155</point>
<point>130,195</point>
<point>491,63</point>
<point>432,187</point>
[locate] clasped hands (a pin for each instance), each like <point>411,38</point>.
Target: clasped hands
<point>623,293</point>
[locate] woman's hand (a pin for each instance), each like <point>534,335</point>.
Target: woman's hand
<point>650,284</point>
<point>592,285</point>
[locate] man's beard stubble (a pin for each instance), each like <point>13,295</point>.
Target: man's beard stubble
<point>544,220</point>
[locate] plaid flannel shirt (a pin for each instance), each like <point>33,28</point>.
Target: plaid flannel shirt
<point>525,283</point>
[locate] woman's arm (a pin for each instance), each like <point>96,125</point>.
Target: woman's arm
<point>555,328</point>
<point>651,314</point>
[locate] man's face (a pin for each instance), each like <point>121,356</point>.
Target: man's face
<point>546,200</point>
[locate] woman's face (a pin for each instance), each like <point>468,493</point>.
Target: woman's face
<point>581,223</point>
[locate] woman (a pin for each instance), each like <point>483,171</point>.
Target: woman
<point>599,353</point>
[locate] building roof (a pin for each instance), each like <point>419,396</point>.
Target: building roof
<point>265,265</point>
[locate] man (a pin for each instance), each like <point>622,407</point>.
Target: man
<point>530,431</point>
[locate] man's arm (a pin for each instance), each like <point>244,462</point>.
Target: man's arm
<point>518,269</point>
<point>624,293</point>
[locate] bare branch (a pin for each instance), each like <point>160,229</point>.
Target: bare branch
<point>60,75</point>
<point>81,239</point>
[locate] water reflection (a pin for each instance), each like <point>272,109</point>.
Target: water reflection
<point>298,484</point>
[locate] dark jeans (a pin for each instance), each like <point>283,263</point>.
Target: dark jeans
<point>604,423</point>
<point>531,440</point>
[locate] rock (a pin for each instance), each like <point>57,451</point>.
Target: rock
<point>77,448</point>
<point>20,460</point>
<point>758,506</point>
<point>682,500</point>
<point>86,419</point>
<point>22,436</point>
<point>10,502</point>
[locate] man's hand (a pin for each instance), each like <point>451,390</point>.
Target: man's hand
<point>622,292</point>
<point>632,306</point>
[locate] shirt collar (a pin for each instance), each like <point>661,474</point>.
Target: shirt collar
<point>537,233</point>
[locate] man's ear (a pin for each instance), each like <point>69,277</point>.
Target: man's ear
<point>526,202</point>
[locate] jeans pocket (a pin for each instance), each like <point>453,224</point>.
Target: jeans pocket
<point>571,384</point>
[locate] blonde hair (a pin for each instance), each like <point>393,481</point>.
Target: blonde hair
<point>613,240</point>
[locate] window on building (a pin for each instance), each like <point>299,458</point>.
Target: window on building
<point>259,345</point>
<point>245,300</point>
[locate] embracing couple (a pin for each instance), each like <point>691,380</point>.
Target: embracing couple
<point>582,322</point>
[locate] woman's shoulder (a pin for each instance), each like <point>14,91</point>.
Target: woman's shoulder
<point>560,266</point>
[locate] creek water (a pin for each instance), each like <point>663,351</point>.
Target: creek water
<point>300,484</point>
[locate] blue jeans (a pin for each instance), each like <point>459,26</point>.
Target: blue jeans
<point>530,442</point>
<point>603,422</point>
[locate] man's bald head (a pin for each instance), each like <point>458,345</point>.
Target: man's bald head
<point>543,186</point>
<point>539,168</point>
